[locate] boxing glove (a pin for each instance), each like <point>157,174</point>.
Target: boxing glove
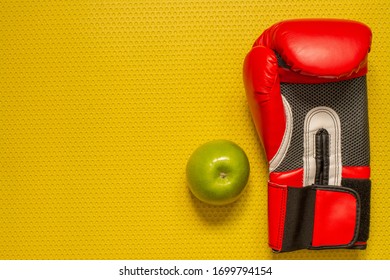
<point>305,82</point>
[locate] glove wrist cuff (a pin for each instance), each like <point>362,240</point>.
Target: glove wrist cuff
<point>318,216</point>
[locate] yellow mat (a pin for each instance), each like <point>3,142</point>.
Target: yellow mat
<point>102,103</point>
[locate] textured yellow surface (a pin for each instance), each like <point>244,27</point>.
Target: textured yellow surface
<point>102,103</point>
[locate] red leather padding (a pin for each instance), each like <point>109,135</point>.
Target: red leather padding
<point>288,76</point>
<point>322,48</point>
<point>356,172</point>
<point>336,218</point>
<point>292,178</point>
<point>277,201</point>
<point>264,98</point>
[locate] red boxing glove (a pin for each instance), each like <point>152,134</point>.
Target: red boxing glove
<point>306,87</point>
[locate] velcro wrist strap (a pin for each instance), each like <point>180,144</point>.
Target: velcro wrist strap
<point>318,216</point>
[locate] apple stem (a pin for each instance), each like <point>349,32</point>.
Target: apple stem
<point>222,175</point>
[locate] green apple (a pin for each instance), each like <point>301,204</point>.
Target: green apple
<point>218,172</point>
